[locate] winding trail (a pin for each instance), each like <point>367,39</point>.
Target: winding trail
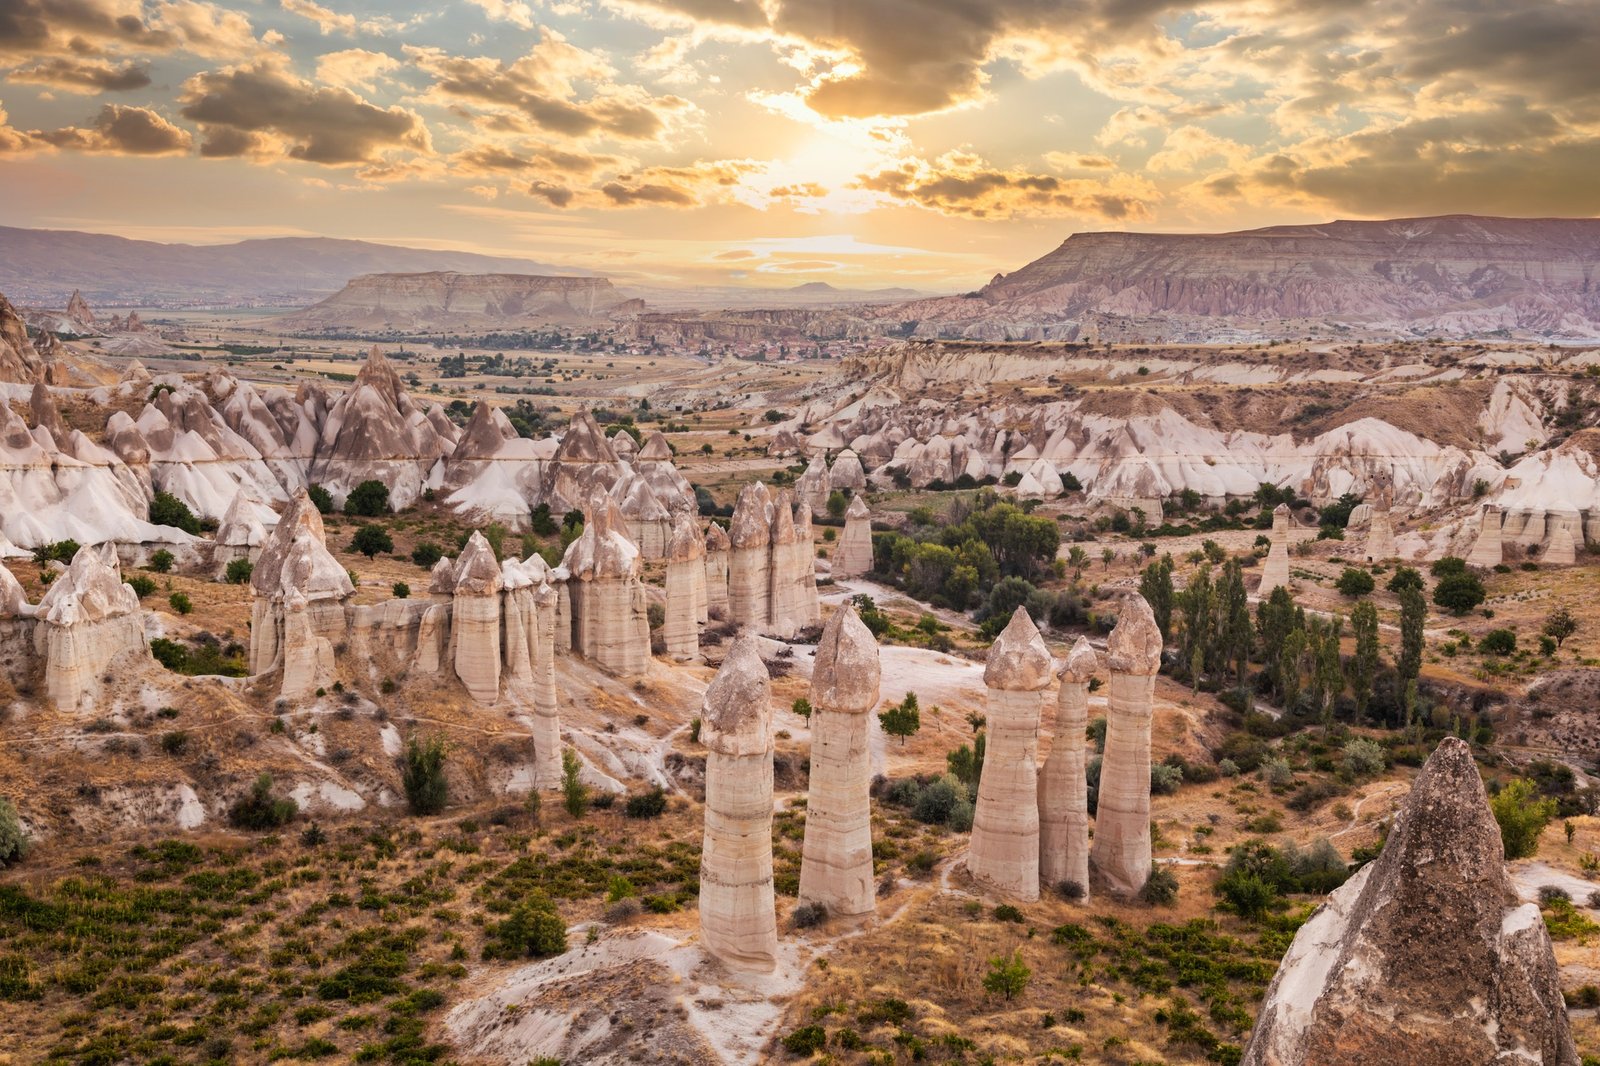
<point>1355,813</point>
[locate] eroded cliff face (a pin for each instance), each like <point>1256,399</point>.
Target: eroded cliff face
<point>445,299</point>
<point>1455,274</point>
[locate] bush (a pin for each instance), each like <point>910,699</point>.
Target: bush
<point>809,915</point>
<point>180,603</point>
<point>371,539</point>
<point>1165,779</point>
<point>321,498</point>
<point>1363,758</point>
<point>574,793</point>
<point>167,510</point>
<point>13,842</point>
<point>1355,582</point>
<point>1448,566</point>
<point>1008,976</point>
<point>1522,816</point>
<point>935,803</point>
<point>1459,593</point>
<point>426,554</point>
<point>142,586</point>
<point>1277,772</point>
<point>802,707</point>
<point>1248,895</point>
<point>1498,642</point>
<point>1160,888</point>
<point>161,562</point>
<point>367,500</point>
<point>650,804</point>
<point>422,774</point>
<point>806,1041</point>
<point>238,571</point>
<point>257,809</point>
<point>532,930</point>
<point>1404,578</point>
<point>401,590</point>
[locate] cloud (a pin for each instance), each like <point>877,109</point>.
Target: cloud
<point>964,185</point>
<point>736,254</point>
<point>208,30</point>
<point>85,27</point>
<point>1079,161</point>
<point>263,110</point>
<point>327,21</point>
<point>540,91</point>
<point>120,130</point>
<point>687,186</point>
<point>1186,147</point>
<point>516,159</point>
<point>355,68</point>
<point>515,12</point>
<point>84,76</point>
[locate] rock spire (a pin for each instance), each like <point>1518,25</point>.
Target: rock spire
<point>1063,786</point>
<point>1121,852</point>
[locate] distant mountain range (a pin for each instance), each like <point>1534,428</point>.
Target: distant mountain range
<point>1455,274</point>
<point>43,267</point>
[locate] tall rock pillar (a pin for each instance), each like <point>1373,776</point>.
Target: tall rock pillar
<point>750,559</point>
<point>686,575</point>
<point>1275,571</point>
<point>546,714</point>
<point>836,859</point>
<point>1063,786</point>
<point>717,546</point>
<point>738,919</point>
<point>1004,856</point>
<point>1121,852</point>
<point>853,557</point>
<point>475,620</point>
<point>1486,549</point>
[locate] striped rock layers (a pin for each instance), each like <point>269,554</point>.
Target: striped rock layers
<point>475,620</point>
<point>854,554</point>
<point>738,919</point>
<point>1005,826</point>
<point>1063,786</point>
<point>717,547</point>
<point>836,859</point>
<point>686,588</point>
<point>1121,852</point>
<point>1487,551</point>
<point>1275,571</point>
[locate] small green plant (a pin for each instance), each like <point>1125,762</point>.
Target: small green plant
<point>574,793</point>
<point>423,776</point>
<point>532,930</point>
<point>368,500</point>
<point>802,707</point>
<point>259,809</point>
<point>426,554</point>
<point>142,586</point>
<point>1008,976</point>
<point>902,719</point>
<point>1160,888</point>
<point>180,602</point>
<point>650,804</point>
<point>401,590</point>
<point>161,561</point>
<point>13,842</point>
<point>1522,815</point>
<point>1355,582</point>
<point>371,539</point>
<point>321,498</point>
<point>238,571</point>
<point>167,510</point>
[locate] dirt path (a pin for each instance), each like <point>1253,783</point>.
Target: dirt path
<point>1355,813</point>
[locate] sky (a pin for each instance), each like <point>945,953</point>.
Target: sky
<point>920,143</point>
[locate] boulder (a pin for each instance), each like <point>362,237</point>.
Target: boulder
<point>1426,956</point>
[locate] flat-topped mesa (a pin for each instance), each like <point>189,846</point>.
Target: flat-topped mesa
<point>750,557</point>
<point>475,619</point>
<point>717,549</point>
<point>836,859</point>
<point>738,919</point>
<point>295,561</point>
<point>1426,956</point>
<point>608,616</point>
<point>854,554</point>
<point>1275,570</point>
<point>1004,856</point>
<point>1063,784</point>
<point>86,619</point>
<point>685,589</point>
<point>1487,551</point>
<point>1121,852</point>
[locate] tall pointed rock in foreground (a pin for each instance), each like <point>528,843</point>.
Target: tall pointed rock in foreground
<point>1121,850</point>
<point>1063,786</point>
<point>1275,571</point>
<point>738,919</point>
<point>476,619</point>
<point>836,859</point>
<point>1005,827</point>
<point>1425,957</point>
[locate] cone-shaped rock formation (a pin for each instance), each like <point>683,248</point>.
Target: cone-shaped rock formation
<point>1063,786</point>
<point>1121,853</point>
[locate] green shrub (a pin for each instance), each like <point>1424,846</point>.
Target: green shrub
<point>237,573</point>
<point>1008,976</point>
<point>1459,593</point>
<point>423,775</point>
<point>1160,888</point>
<point>1522,815</point>
<point>13,842</point>
<point>806,1041</point>
<point>1404,578</point>
<point>371,539</point>
<point>1363,758</point>
<point>321,498</point>
<point>367,500</point>
<point>401,590</point>
<point>1498,642</point>
<point>142,586</point>
<point>532,930</point>
<point>257,809</point>
<point>650,804</point>
<point>426,554</point>
<point>574,793</point>
<point>180,602</point>
<point>167,510</point>
<point>161,561</point>
<point>1165,779</point>
<point>802,707</point>
<point>1355,582</point>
